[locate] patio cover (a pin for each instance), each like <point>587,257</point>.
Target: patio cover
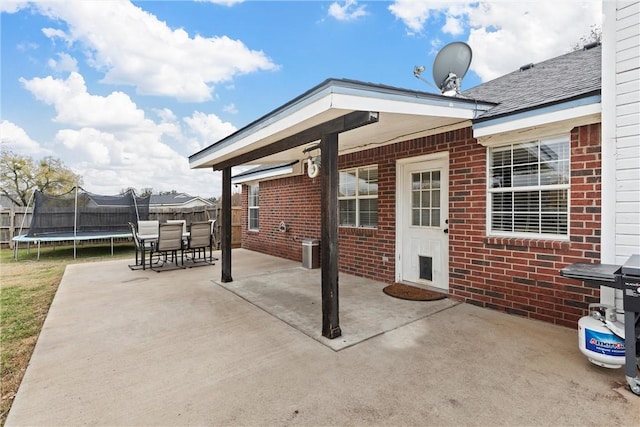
<point>344,116</point>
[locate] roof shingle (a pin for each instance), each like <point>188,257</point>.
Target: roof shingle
<point>574,75</point>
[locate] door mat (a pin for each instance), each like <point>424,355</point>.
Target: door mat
<point>402,291</point>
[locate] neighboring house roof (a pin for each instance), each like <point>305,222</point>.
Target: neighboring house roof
<point>176,200</point>
<point>571,76</point>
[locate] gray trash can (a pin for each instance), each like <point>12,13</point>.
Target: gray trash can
<point>311,253</point>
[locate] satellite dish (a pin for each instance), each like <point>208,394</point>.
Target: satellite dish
<point>450,66</point>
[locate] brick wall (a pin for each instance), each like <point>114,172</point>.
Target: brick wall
<point>518,276</point>
<point>294,201</point>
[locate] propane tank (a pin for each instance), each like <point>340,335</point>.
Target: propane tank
<point>596,339</point>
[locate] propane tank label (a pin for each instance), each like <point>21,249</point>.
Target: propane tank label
<point>607,344</point>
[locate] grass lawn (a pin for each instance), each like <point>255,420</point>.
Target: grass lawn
<point>27,288</point>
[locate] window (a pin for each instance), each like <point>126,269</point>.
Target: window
<point>254,191</point>
<point>358,197</point>
<point>425,199</point>
<point>528,192</point>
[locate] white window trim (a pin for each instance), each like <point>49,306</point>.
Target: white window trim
<point>490,191</point>
<point>357,198</point>
<point>251,207</point>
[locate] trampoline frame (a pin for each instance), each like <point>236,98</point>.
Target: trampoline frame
<point>67,237</point>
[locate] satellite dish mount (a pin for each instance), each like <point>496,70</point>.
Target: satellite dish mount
<point>449,67</point>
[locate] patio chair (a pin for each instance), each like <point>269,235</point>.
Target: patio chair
<point>181,222</point>
<point>141,248</point>
<point>148,228</point>
<point>169,243</point>
<point>200,239</point>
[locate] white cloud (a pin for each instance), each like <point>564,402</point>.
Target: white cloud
<point>53,34</point>
<point>222,2</point>
<point>14,138</point>
<point>95,147</point>
<point>349,11</point>
<point>10,6</point>
<point>138,158</point>
<point>505,34</point>
<point>26,47</point>
<point>413,13</point>
<point>165,114</point>
<point>112,145</point>
<point>208,127</point>
<point>64,63</point>
<point>454,25</point>
<point>230,108</point>
<point>74,106</point>
<point>132,47</point>
<point>109,162</point>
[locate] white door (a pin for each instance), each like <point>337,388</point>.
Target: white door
<point>422,221</point>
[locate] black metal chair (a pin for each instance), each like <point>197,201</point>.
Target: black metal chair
<point>169,243</point>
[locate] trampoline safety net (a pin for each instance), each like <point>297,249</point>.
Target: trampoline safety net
<point>84,213</point>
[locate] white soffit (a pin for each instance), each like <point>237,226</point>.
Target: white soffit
<point>402,106</point>
<point>536,125</point>
<point>272,173</point>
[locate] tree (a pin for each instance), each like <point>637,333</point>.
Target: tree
<point>147,191</point>
<point>21,175</point>
<point>594,36</point>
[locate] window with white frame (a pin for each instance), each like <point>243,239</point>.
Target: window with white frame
<point>528,189</point>
<point>358,197</point>
<point>254,191</point>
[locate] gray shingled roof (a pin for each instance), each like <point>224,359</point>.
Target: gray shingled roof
<point>170,199</point>
<point>571,76</point>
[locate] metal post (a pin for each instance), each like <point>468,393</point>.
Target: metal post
<point>226,225</point>
<point>75,224</point>
<point>329,235</point>
<point>24,217</point>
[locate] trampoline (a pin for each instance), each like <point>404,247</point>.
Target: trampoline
<point>82,216</point>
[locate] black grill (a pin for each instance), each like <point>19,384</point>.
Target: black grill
<point>630,273</point>
<point>627,279</point>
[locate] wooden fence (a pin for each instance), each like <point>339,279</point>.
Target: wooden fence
<point>11,220</point>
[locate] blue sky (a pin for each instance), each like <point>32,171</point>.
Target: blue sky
<point>123,92</point>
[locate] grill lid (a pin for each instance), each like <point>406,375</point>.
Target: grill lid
<point>585,271</point>
<point>632,266</point>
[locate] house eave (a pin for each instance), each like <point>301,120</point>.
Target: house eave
<point>333,99</point>
<point>557,119</point>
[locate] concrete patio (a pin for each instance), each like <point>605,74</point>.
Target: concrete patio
<point>123,347</point>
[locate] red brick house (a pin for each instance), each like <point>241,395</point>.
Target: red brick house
<point>484,196</point>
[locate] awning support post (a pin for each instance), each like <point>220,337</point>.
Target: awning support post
<point>329,235</point>
<point>225,228</point>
